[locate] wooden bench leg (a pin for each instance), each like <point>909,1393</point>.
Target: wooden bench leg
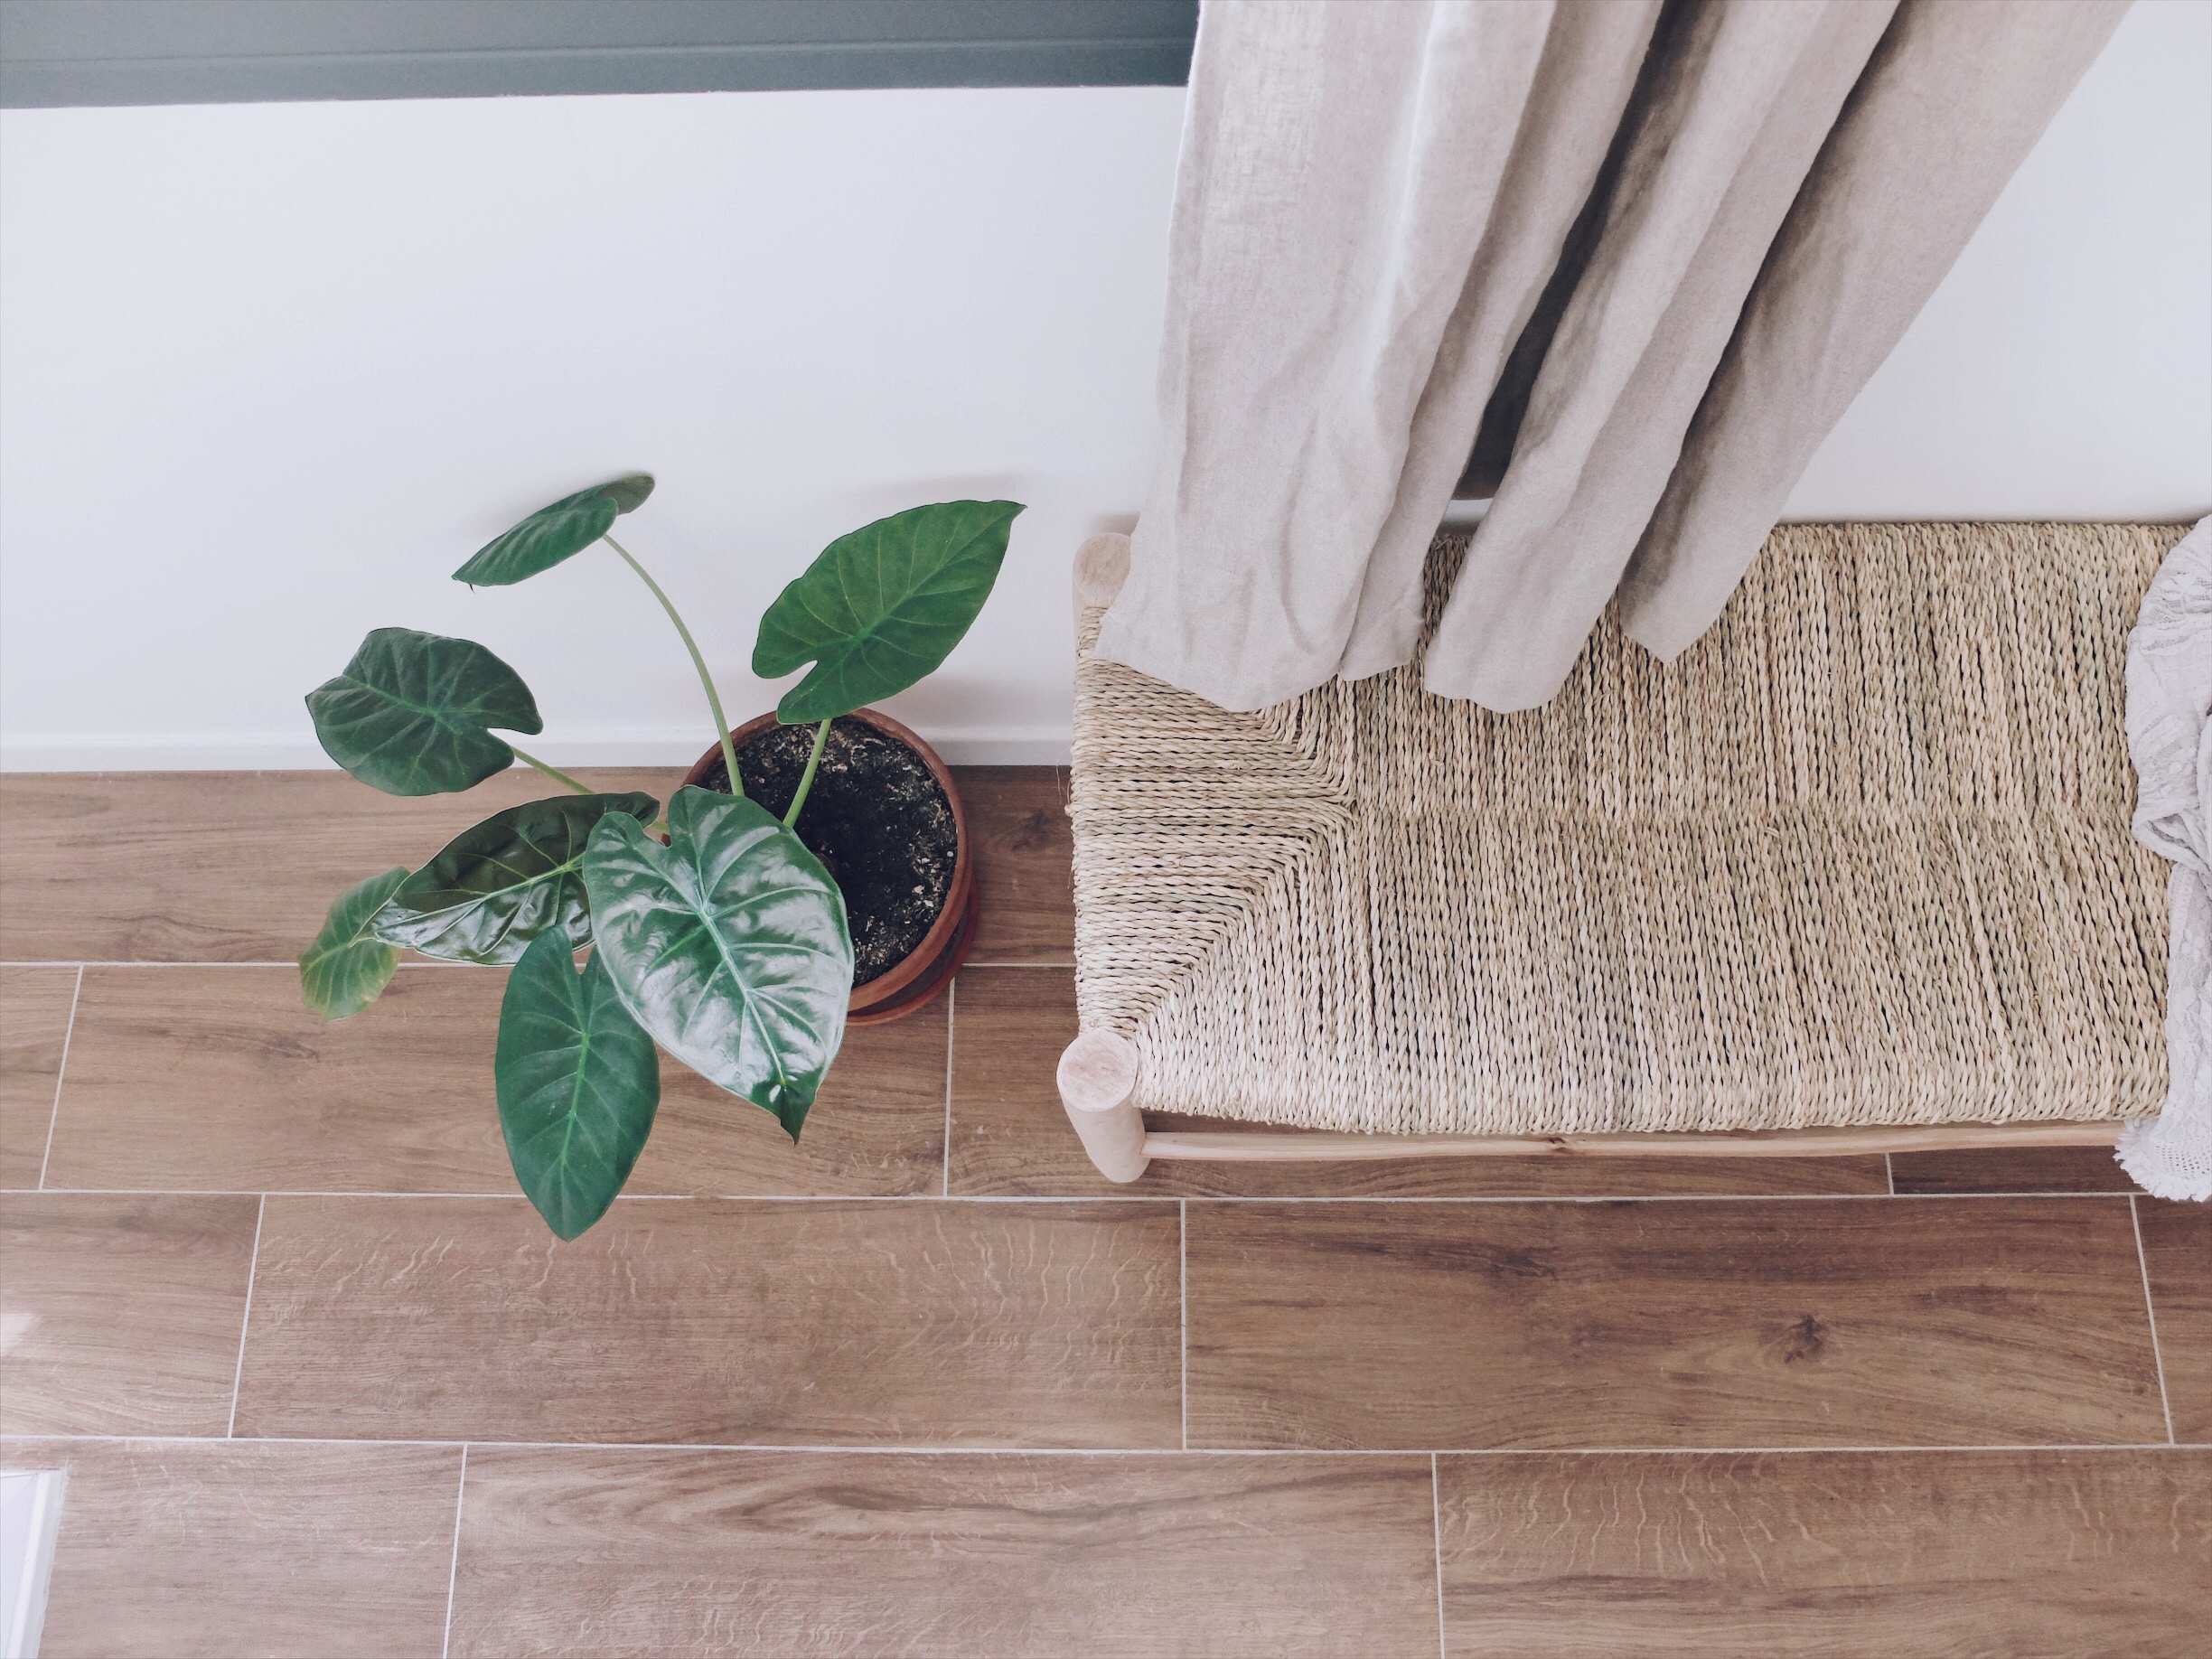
<point>1098,1074</point>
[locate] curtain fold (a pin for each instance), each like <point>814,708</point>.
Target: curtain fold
<point>1663,245</point>
<point>1956,97</point>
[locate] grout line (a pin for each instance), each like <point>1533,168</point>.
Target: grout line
<point>1890,1173</point>
<point>1183,1297</point>
<point>2158,1358</point>
<point>452,1568</point>
<point>1900,1449</point>
<point>1117,1197</point>
<point>1436,1515</point>
<point>951,1036</point>
<point>411,961</point>
<point>93,962</point>
<point>274,1192</point>
<point>253,1266</point>
<point>53,1118</point>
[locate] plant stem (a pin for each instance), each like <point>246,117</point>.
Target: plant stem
<point>555,773</point>
<point>714,702</point>
<point>806,778</point>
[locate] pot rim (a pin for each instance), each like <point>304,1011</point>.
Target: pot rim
<point>901,973</point>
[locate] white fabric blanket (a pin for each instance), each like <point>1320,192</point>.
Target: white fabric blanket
<point>2169,739</point>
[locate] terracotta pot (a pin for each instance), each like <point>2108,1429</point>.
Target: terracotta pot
<point>911,984</point>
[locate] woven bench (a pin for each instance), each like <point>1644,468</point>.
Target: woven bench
<point>1853,874</point>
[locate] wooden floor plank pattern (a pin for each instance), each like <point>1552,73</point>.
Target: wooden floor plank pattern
<point>218,866</point>
<point>1751,1322</point>
<point>842,1305</point>
<point>1837,1554</point>
<point>121,1314</point>
<point>877,1129</point>
<point>34,1019</point>
<point>2029,1170</point>
<point>1010,1136</point>
<point>220,1549</point>
<point>749,1322</point>
<point>671,1554</point>
<point>2176,1241</point>
<point>240,867</point>
<point>218,1078</point>
<point>1024,856</point>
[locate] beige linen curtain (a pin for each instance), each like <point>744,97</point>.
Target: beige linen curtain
<point>1649,250</point>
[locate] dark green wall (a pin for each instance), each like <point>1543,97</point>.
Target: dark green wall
<point>197,52</point>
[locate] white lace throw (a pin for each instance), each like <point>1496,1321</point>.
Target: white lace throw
<point>2169,739</point>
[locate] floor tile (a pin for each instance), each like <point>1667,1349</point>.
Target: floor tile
<point>34,1018</point>
<point>121,1314</point>
<point>2176,1242</point>
<point>1836,1554</point>
<point>1024,856</point>
<point>218,1078</point>
<point>675,1554</point>
<point>814,1316</point>
<point>1011,1135</point>
<point>877,1129</point>
<point>240,867</point>
<point>1730,1324</point>
<point>2030,1169</point>
<point>218,866</point>
<point>743,1322</point>
<point>173,1550</point>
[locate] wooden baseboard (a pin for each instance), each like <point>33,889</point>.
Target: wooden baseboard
<point>1310,1146</point>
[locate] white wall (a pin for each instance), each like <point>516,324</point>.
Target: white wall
<point>2064,369</point>
<point>268,373</point>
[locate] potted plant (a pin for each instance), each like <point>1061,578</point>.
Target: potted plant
<point>741,930</point>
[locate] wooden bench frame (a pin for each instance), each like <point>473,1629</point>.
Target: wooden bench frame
<point>1097,1078</point>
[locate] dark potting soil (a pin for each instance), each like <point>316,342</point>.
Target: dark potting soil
<point>876,818</point>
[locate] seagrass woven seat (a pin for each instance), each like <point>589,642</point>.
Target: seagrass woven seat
<point>1860,856</point>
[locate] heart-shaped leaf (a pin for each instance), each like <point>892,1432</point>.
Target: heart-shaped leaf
<point>578,1083</point>
<point>347,967</point>
<point>500,883</point>
<point>882,607</point>
<point>554,533</point>
<point>729,945</point>
<point>409,715</point>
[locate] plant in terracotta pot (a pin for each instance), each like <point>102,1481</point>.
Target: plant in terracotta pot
<point>812,868</point>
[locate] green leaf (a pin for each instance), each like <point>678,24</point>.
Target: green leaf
<point>347,967</point>
<point>554,533</point>
<point>578,1083</point>
<point>499,884</point>
<point>882,607</point>
<point>729,945</point>
<point>409,715</point>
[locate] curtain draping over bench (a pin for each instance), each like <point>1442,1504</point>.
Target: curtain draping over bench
<point>1649,251</point>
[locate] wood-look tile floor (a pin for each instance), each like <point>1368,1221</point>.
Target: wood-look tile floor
<point>925,1384</point>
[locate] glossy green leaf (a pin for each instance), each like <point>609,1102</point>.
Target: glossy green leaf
<point>411,713</point>
<point>500,883</point>
<point>578,1083</point>
<point>347,967</point>
<point>554,533</point>
<point>882,607</point>
<point>729,945</point>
